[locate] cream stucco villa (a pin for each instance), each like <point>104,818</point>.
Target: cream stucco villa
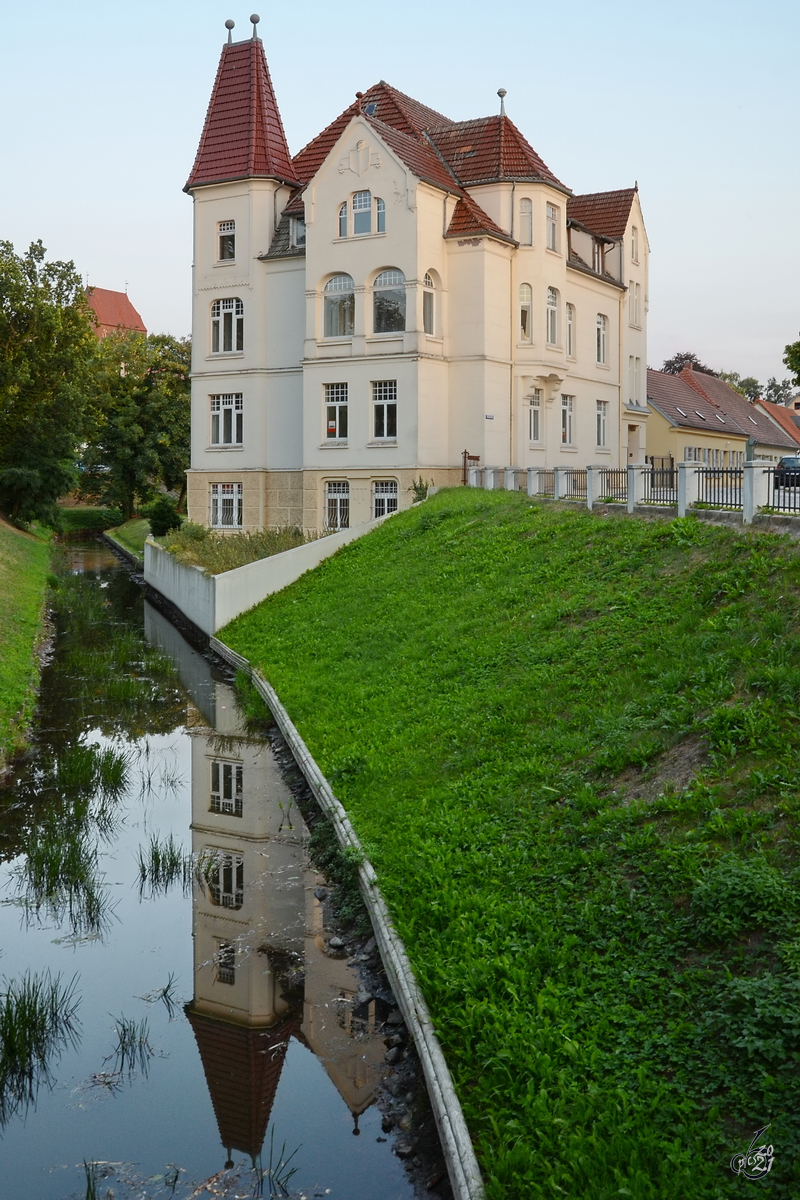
<point>403,290</point>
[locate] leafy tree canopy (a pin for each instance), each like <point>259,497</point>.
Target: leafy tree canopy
<point>791,359</point>
<point>138,428</point>
<point>685,358</point>
<point>46,343</point>
<point>748,386</point>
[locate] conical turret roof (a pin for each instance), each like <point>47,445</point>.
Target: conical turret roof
<point>243,136</point>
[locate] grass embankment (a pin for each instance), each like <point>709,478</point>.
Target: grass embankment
<point>196,546</point>
<point>24,562</point>
<point>571,747</point>
<point>131,535</point>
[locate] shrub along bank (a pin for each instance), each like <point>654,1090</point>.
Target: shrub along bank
<point>571,747</point>
<point>24,561</point>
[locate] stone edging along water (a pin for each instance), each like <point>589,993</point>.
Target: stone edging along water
<point>462,1165</point>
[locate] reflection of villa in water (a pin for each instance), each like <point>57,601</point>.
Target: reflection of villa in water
<point>261,972</point>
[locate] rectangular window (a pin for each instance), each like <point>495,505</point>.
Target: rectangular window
<point>637,380</point>
<point>535,416</point>
<point>362,212</point>
<point>631,381</point>
<point>224,874</point>
<point>602,330</point>
<point>225,959</point>
<point>227,326</point>
<point>567,415</point>
<point>297,232</point>
<point>226,420</point>
<point>552,227</point>
<point>336,411</point>
<point>227,240</point>
<point>634,293</point>
<point>634,244</point>
<point>226,788</point>
<point>602,421</point>
<point>526,222</point>
<point>384,497</point>
<point>570,330</point>
<point>384,409</point>
<point>598,256</point>
<point>552,317</point>
<point>380,215</point>
<point>337,505</point>
<point>427,312</point>
<point>226,505</point>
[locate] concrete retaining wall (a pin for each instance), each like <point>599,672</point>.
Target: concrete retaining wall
<point>211,601</point>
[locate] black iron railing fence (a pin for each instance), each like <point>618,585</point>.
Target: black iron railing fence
<point>720,487</point>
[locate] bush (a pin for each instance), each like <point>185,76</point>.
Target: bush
<point>196,546</point>
<point>163,516</point>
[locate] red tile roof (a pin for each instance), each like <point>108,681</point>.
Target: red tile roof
<point>469,219</point>
<point>418,154</point>
<point>684,407</point>
<point>113,311</point>
<point>605,213</point>
<point>243,134</point>
<point>725,398</point>
<point>785,417</point>
<point>488,149</point>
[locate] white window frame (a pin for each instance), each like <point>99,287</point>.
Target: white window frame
<point>297,233</point>
<point>526,313</point>
<point>225,962</point>
<point>226,500</point>
<point>336,412</point>
<point>339,306</point>
<point>385,497</point>
<point>337,505</point>
<point>428,306</point>
<point>380,215</point>
<point>535,417</point>
<point>526,221</point>
<point>601,344</point>
<point>634,304</point>
<point>226,239</point>
<point>637,380</point>
<point>552,316</point>
<point>227,326</point>
<point>552,217</point>
<point>598,256</point>
<point>567,420</point>
<point>227,417</point>
<point>226,787</point>
<point>391,279</point>
<point>570,331</point>
<point>342,220</point>
<point>384,410</point>
<point>362,213</point>
<point>602,424</point>
<point>634,244</point>
<point>227,868</point>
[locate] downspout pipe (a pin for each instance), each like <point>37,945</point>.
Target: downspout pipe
<point>511,338</point>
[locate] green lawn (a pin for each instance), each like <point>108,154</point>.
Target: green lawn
<point>490,684</point>
<point>24,562</point>
<point>132,535</point>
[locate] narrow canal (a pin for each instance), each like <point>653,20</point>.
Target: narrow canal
<point>155,887</point>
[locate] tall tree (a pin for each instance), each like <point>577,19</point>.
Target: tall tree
<point>685,358</point>
<point>138,429</point>
<point>747,386</point>
<point>46,343</point>
<point>791,359</point>
<point>778,393</point>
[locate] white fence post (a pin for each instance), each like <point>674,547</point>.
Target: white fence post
<point>687,486</point>
<point>592,484</point>
<point>636,476</point>
<point>489,478</point>
<point>473,474</point>
<point>510,479</point>
<point>533,481</point>
<point>755,488</point>
<point>558,486</point>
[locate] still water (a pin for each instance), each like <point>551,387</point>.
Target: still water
<point>151,851</point>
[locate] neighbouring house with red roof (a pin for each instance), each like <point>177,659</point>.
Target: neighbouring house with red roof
<point>403,289</point>
<point>113,311</point>
<point>699,418</point>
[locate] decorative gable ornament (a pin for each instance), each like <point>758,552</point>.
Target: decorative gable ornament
<point>359,160</point>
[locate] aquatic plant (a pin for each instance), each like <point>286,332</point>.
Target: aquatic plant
<point>133,1047</point>
<point>167,995</point>
<point>57,878</point>
<point>37,1022</point>
<point>277,1174</point>
<point>91,1179</point>
<point>161,865</point>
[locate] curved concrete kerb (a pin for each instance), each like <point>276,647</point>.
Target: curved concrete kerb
<point>462,1166</point>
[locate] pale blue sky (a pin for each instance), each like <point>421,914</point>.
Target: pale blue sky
<point>697,100</point>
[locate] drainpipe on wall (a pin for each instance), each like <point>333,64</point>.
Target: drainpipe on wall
<point>511,340</point>
<point>619,352</point>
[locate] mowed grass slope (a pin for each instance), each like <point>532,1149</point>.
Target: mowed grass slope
<point>489,683</point>
<point>24,561</point>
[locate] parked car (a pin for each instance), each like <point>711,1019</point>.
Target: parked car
<point>787,472</point>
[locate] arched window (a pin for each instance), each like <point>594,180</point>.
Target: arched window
<point>343,221</point>
<point>427,305</point>
<point>227,326</point>
<point>389,302</point>
<point>340,306</point>
<point>380,214</point>
<point>525,312</point>
<point>602,331</point>
<point>552,317</point>
<point>571,330</point>
<point>526,222</point>
<point>362,212</point>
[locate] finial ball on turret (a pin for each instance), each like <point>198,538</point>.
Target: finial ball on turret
<point>255,18</point>
<point>229,24</point>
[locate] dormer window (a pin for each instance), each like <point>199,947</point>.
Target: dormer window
<point>227,240</point>
<point>362,213</point>
<point>598,256</point>
<point>297,233</point>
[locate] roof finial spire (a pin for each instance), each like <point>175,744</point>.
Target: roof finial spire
<point>502,93</point>
<point>255,18</point>
<point>229,24</point>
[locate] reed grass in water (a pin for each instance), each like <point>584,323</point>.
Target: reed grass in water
<point>38,1020</point>
<point>161,865</point>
